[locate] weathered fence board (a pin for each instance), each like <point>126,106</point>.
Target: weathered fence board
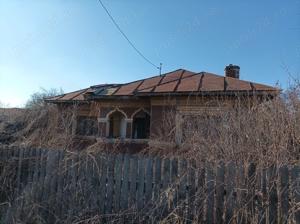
<point>133,181</point>
<point>110,183</point>
<point>230,200</point>
<point>200,195</point>
<point>65,187</point>
<point>220,192</point>
<point>165,188</point>
<point>118,179</point>
<point>125,186</point>
<point>102,200</point>
<point>295,175</point>
<point>141,185</point>
<point>273,198</point>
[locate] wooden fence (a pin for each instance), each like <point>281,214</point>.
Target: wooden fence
<point>53,186</point>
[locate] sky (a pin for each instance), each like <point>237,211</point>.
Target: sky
<point>72,45</point>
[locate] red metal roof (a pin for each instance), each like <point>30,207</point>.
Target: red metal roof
<point>177,82</point>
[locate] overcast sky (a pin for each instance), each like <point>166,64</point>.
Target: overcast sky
<point>74,44</point>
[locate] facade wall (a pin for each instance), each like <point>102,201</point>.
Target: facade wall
<point>163,111</point>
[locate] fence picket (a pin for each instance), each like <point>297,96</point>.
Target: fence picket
<point>284,194</point>
<point>200,195</point>
<point>230,200</point>
<point>46,187</point>
<point>166,188</point>
<point>53,187</point>
<point>182,189</point>
<point>191,191</point>
<point>31,166</point>
<point>295,175</point>
<point>241,193</point>
<point>133,186</point>
<point>273,199</point>
<point>88,186</point>
<point>220,191</point>
<point>251,193</point>
<point>81,184</point>
<point>43,165</point>
<point>71,190</point>
<point>36,174</point>
<point>25,167</point>
<point>19,156</point>
<point>141,184</point>
<point>209,193</point>
<point>118,180</point>
<point>102,197</point>
<point>110,185</point>
<point>148,187</point>
<point>96,184</point>
<point>125,186</point>
<point>174,183</point>
<point>261,208</point>
<point>60,183</point>
<point>156,188</point>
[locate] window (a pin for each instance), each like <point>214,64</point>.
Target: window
<point>197,127</point>
<point>117,125</point>
<point>141,125</point>
<point>87,126</point>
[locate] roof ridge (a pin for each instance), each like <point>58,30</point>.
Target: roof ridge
<point>163,76</point>
<point>152,77</point>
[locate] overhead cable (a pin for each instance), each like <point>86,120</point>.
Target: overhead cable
<point>127,37</point>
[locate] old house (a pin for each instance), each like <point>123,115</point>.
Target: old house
<point>132,112</point>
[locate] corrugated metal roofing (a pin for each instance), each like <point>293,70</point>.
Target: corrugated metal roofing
<point>177,82</point>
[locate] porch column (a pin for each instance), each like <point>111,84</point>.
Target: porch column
<point>103,127</point>
<point>128,127</point>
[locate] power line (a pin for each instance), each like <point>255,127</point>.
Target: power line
<point>127,38</point>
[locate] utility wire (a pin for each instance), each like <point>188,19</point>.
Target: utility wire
<point>127,37</point>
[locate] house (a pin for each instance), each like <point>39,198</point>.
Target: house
<point>133,112</point>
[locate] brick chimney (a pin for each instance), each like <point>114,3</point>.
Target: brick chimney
<point>232,71</point>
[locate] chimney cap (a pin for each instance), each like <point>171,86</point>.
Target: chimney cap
<point>232,71</point>
<point>231,66</point>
